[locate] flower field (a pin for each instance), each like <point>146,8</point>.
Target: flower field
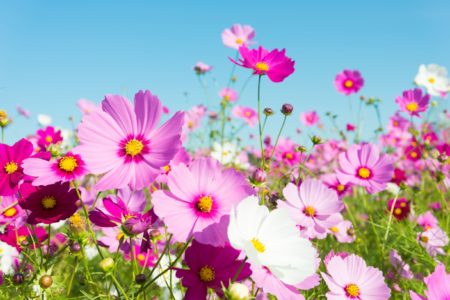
<point>140,201</point>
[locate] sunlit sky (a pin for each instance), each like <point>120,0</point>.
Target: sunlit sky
<point>53,53</point>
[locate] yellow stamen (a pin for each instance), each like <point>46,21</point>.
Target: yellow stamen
<point>352,290</point>
<point>431,80</point>
<point>166,169</point>
<point>412,106</point>
<point>364,173</point>
<point>340,187</point>
<point>239,41</point>
<point>68,163</point>
<point>262,66</point>
<point>204,204</point>
<point>397,211</point>
<point>348,83</point>
<point>258,245</point>
<point>309,211</point>
<point>207,274</point>
<point>11,167</point>
<point>48,202</point>
<point>413,154</point>
<point>403,204</point>
<point>48,139</point>
<point>10,212</point>
<point>119,236</point>
<point>289,156</point>
<point>134,147</point>
<point>141,257</point>
<point>334,229</point>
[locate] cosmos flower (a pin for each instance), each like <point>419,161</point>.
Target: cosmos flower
<point>23,112</point>
<point>365,166</point>
<point>228,94</point>
<point>314,207</point>
<point>48,136</point>
<point>238,35</point>
<point>86,106</point>
<point>66,168</point>
<point>434,78</point>
<point>201,68</point>
<point>309,118</point>
<point>427,220</point>
<point>12,213</point>
<point>210,267</point>
<point>343,231</point>
<point>275,64</point>
<point>350,278</point>
<point>48,204</point>
<point>433,240</point>
<point>124,144</point>
<point>401,208</point>
<point>182,156</point>
<point>413,102</point>
<point>400,267</point>
<point>44,120</point>
<point>247,114</point>
<point>438,285</point>
<point>287,153</point>
<point>193,118</point>
<point>332,181</point>
<point>145,258</point>
<point>349,82</point>
<point>199,200</point>
<point>8,255</point>
<point>271,240</point>
<point>23,237</point>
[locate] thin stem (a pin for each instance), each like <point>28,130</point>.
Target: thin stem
<point>223,106</point>
<point>235,277</point>
<point>260,125</point>
<point>391,214</point>
<point>116,283</point>
<point>278,137</point>
<point>69,288</point>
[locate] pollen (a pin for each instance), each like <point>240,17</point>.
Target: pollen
<point>11,167</point>
<point>348,83</point>
<point>258,245</point>
<point>352,290</point>
<point>309,211</point>
<point>262,66</point>
<point>134,147</point>
<point>119,236</point>
<point>364,173</point>
<point>48,202</point>
<point>10,212</point>
<point>68,163</point>
<point>204,204</point>
<point>77,223</point>
<point>207,274</point>
<point>412,106</point>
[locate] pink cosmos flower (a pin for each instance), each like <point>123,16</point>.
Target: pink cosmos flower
<point>201,68</point>
<point>145,258</point>
<point>23,112</point>
<point>124,144</point>
<point>247,114</point>
<point>23,237</point>
<point>286,152</point>
<point>400,267</point>
<point>66,168</point>
<point>12,213</point>
<point>350,278</point>
<point>349,82</point>
<point>181,157</point>
<point>309,118</point>
<point>433,240</point>
<point>343,231</point>
<point>314,207</point>
<point>275,64</point>
<point>228,94</point>
<point>427,221</point>
<point>199,200</point>
<point>210,267</point>
<point>193,118</point>
<point>87,106</point>
<point>48,136</point>
<point>350,127</point>
<point>401,209</point>
<point>438,285</point>
<point>238,35</point>
<point>413,102</point>
<point>365,166</point>
<point>332,181</point>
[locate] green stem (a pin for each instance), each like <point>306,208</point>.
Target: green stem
<point>391,214</point>
<point>260,125</point>
<point>276,141</point>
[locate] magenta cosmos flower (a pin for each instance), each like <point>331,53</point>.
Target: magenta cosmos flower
<point>124,144</point>
<point>309,118</point>
<point>48,136</point>
<point>66,168</point>
<point>438,285</point>
<point>350,278</point>
<point>275,64</point>
<point>247,114</point>
<point>314,207</point>
<point>199,200</point>
<point>12,213</point>
<point>48,204</point>
<point>413,102</point>
<point>348,82</point>
<point>365,166</point>
<point>238,35</point>
<point>210,267</point>
<point>11,171</point>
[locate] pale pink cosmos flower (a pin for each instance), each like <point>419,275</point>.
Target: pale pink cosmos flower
<point>365,166</point>
<point>87,106</point>
<point>349,82</point>
<point>247,114</point>
<point>193,117</point>
<point>124,144</point>
<point>199,200</point>
<point>427,220</point>
<point>350,278</point>
<point>313,207</point>
<point>201,68</point>
<point>433,240</point>
<point>413,102</point>
<point>400,266</point>
<point>309,118</point>
<point>23,112</point>
<point>238,35</point>
<point>343,231</point>
<point>228,94</point>
<point>438,285</point>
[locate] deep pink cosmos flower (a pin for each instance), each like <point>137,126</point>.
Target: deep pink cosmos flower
<point>11,171</point>
<point>48,136</point>
<point>350,278</point>
<point>145,258</point>
<point>332,181</point>
<point>365,166</point>
<point>66,168</point>
<point>275,64</point>
<point>12,213</point>
<point>401,208</point>
<point>210,267</point>
<point>48,204</point>
<point>124,144</point>
<point>238,35</point>
<point>199,200</point>
<point>228,94</point>
<point>247,114</point>
<point>413,102</point>
<point>23,237</point>
<point>309,118</point>
<point>314,207</point>
<point>286,152</point>
<point>438,285</point>
<point>349,82</point>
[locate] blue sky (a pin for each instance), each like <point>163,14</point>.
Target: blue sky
<point>53,53</point>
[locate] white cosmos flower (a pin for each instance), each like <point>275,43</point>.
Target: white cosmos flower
<point>7,256</point>
<point>230,154</point>
<point>271,240</point>
<point>434,78</point>
<point>44,120</point>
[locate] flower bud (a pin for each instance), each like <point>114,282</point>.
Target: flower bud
<point>259,176</point>
<point>316,140</point>
<point>45,281</point>
<point>75,247</point>
<point>301,149</point>
<point>140,278</point>
<point>107,264</point>
<point>238,291</point>
<point>77,224</point>
<point>287,109</point>
<point>268,111</point>
<point>18,278</point>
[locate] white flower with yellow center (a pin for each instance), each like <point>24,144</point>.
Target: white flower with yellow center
<point>7,255</point>
<point>44,120</point>
<point>434,78</point>
<point>229,154</point>
<point>271,240</point>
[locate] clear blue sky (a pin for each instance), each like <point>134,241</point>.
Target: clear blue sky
<point>54,52</point>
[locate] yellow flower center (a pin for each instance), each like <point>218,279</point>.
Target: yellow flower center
<point>364,173</point>
<point>207,274</point>
<point>10,212</point>
<point>190,124</point>
<point>424,238</point>
<point>68,163</point>
<point>352,290</point>
<point>226,97</point>
<point>48,202</point>
<point>204,204</point>
<point>21,239</point>
<point>340,187</point>
<point>166,169</point>
<point>412,106</point>
<point>141,257</point>
<point>48,139</point>
<point>348,83</point>
<point>239,41</point>
<point>258,245</point>
<point>247,114</point>
<point>262,66</point>
<point>11,167</point>
<point>334,229</point>
<point>309,211</point>
<point>289,156</point>
<point>431,80</point>
<point>119,236</point>
<point>134,147</point>
<point>76,220</point>
<point>397,211</point>
<point>403,204</point>
<point>413,154</point>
